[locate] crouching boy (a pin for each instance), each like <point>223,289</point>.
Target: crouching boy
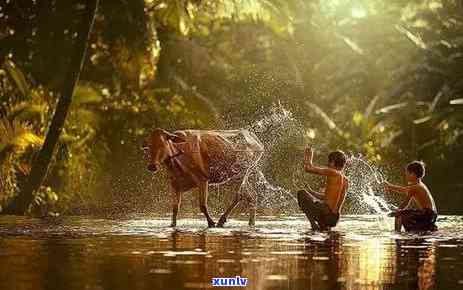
<point>423,218</point>
<point>322,209</point>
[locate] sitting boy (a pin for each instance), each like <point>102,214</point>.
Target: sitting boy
<point>423,218</point>
<point>322,210</point>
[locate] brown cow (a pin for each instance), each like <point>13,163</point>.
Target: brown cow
<point>197,158</point>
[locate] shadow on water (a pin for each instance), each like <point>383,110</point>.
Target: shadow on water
<point>279,253</point>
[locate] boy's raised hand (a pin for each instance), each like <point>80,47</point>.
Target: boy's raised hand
<point>308,153</point>
<point>309,149</point>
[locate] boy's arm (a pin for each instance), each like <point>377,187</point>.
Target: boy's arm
<point>403,189</point>
<point>397,188</point>
<point>310,168</point>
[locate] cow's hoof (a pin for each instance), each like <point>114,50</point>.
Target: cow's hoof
<point>211,224</point>
<point>173,225</point>
<point>221,222</point>
<point>252,222</point>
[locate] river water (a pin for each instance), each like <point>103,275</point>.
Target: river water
<point>279,253</point>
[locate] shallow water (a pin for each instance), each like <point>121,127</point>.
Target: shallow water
<point>279,253</point>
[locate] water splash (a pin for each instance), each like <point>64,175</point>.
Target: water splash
<point>366,192</point>
<point>277,128</point>
<point>271,130</point>
<point>365,188</point>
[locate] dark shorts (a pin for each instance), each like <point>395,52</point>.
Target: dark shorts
<point>418,219</point>
<point>316,210</point>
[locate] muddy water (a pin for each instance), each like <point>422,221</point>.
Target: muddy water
<point>279,253</point>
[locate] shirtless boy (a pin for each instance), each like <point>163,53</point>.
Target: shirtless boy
<point>423,218</point>
<point>322,209</point>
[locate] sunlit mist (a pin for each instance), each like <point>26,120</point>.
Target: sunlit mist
<point>358,12</point>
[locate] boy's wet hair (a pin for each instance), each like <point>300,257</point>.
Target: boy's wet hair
<point>338,158</point>
<point>417,168</point>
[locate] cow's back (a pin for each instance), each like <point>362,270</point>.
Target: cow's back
<point>222,158</point>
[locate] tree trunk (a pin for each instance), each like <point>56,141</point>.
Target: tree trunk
<point>167,58</point>
<point>40,166</point>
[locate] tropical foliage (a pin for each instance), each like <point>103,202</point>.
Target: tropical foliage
<point>381,78</point>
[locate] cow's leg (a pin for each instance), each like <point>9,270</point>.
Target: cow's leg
<point>203,191</point>
<point>398,223</point>
<point>252,206</point>
<point>176,200</point>
<point>252,214</point>
<point>227,212</point>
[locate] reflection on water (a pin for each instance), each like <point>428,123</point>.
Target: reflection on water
<point>280,253</point>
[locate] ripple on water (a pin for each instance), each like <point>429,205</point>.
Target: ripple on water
<point>160,271</point>
<point>355,228</point>
<point>275,252</point>
<point>276,277</point>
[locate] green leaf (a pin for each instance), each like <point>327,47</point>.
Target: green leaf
<point>357,118</point>
<point>17,135</point>
<point>17,76</point>
<point>416,39</point>
<point>458,101</point>
<point>26,111</point>
<point>85,94</point>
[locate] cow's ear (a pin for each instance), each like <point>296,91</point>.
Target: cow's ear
<point>162,133</point>
<point>157,132</point>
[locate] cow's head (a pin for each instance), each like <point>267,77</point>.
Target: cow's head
<point>158,148</point>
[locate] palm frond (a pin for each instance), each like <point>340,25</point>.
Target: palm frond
<point>387,109</point>
<point>352,44</point>
<point>17,76</point>
<point>17,136</point>
<point>26,110</point>
<point>416,39</point>
<point>324,116</point>
<point>86,94</point>
<point>458,101</point>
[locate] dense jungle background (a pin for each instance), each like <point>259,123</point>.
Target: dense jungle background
<point>381,78</point>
